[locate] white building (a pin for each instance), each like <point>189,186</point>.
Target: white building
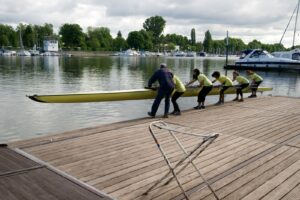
<point>50,45</point>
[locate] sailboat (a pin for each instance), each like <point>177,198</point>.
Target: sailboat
<point>22,51</point>
<point>261,59</point>
<point>293,54</point>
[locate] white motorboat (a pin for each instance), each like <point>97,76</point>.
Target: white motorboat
<point>129,52</point>
<point>261,59</point>
<point>293,54</point>
<point>23,52</point>
<point>7,53</point>
<point>179,54</point>
<point>191,54</point>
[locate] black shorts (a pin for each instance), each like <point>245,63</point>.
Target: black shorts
<point>224,88</point>
<point>204,92</point>
<point>242,86</point>
<point>255,85</point>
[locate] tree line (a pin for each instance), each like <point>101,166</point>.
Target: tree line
<point>149,38</point>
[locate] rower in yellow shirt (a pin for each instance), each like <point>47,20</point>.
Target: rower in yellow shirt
<point>206,85</point>
<point>226,83</point>
<point>179,90</point>
<point>256,81</point>
<point>242,83</point>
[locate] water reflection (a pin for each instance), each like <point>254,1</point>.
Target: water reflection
<point>23,118</point>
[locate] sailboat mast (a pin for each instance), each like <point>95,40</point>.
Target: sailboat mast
<point>288,24</point>
<point>21,41</point>
<point>296,24</point>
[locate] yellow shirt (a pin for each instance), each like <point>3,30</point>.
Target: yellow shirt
<point>242,80</point>
<point>225,80</point>
<point>203,79</point>
<point>179,86</point>
<point>256,77</point>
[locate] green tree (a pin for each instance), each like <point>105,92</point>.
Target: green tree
<point>193,36</point>
<point>218,47</point>
<point>147,40</point>
<point>119,42</point>
<point>41,32</point>
<point>135,39</point>
<point>199,46</point>
<point>139,40</point>
<point>72,35</point>
<point>28,36</point>
<point>93,43</point>
<point>180,40</point>
<point>102,34</point>
<point>156,26</point>
<point>105,38</point>
<point>4,40</point>
<point>207,42</point>
<point>8,36</point>
<point>255,44</point>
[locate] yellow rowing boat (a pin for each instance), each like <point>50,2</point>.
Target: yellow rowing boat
<point>122,95</point>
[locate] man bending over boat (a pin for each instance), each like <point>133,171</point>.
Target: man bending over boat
<point>243,83</point>
<point>206,85</point>
<point>226,83</point>
<point>166,87</point>
<point>256,81</point>
<point>179,90</point>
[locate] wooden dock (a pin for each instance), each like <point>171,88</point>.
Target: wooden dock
<point>24,179</point>
<point>256,156</point>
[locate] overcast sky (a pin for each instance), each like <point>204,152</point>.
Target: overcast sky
<point>264,20</point>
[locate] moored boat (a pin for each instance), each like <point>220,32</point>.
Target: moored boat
<point>137,94</point>
<point>292,54</point>
<point>260,59</point>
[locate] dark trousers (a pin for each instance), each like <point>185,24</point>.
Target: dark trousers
<point>224,88</point>
<point>160,95</point>
<point>203,93</point>
<point>175,96</point>
<point>239,89</point>
<point>255,86</point>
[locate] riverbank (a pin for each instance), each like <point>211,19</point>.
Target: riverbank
<point>256,155</point>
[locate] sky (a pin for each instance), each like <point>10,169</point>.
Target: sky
<point>264,20</point>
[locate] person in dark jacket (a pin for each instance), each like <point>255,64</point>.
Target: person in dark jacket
<point>166,87</point>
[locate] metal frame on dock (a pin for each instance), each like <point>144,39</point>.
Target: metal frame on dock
<point>207,139</point>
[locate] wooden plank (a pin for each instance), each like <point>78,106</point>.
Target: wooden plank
<point>294,194</point>
<point>209,172</point>
<point>240,178</point>
<point>34,185</point>
<point>247,187</point>
<point>202,161</point>
<point>285,187</point>
<point>10,161</point>
<point>274,182</point>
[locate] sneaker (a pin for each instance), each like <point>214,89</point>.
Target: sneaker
<point>202,107</point>
<point>252,96</point>
<point>218,103</point>
<point>151,115</point>
<point>241,100</point>
<point>165,116</point>
<point>236,99</point>
<point>172,113</point>
<point>177,113</point>
<point>197,107</point>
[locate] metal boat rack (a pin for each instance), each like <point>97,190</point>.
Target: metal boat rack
<point>190,156</point>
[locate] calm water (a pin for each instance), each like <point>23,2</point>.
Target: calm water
<point>22,118</point>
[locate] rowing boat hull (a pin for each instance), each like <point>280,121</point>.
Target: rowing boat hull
<point>138,94</point>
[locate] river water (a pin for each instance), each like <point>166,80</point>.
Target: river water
<point>22,118</point>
